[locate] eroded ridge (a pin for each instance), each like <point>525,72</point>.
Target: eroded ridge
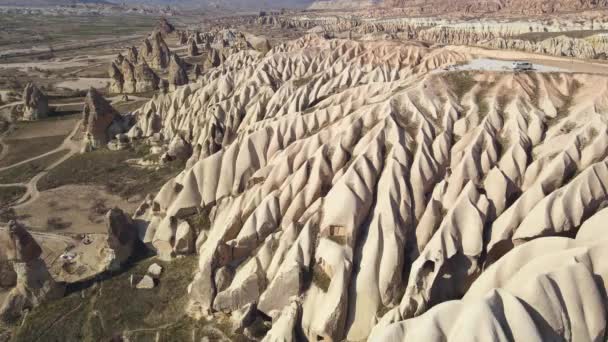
<point>352,185</point>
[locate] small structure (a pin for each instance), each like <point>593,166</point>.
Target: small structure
<point>522,66</point>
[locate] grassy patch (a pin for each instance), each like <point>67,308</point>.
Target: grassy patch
<point>25,172</point>
<point>200,221</point>
<point>112,307</point>
<point>10,194</point>
<point>109,169</point>
<point>129,106</point>
<point>320,277</point>
<point>460,83</point>
<point>22,149</point>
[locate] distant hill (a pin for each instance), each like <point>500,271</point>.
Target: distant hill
<point>428,7</point>
<point>485,6</point>
<point>227,4</point>
<point>48,2</point>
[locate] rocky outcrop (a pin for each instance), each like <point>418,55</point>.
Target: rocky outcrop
<point>129,79</point>
<point>520,7</point>
<point>352,186</point>
<point>593,47</point>
<point>214,58</point>
<point>97,116</point>
<point>197,71</point>
<point>164,27</point>
<point>508,34</point>
<point>155,51</point>
<point>192,48</point>
<point>145,78</point>
<point>128,74</point>
<point>133,55</point>
<point>178,75</point>
<point>34,285</point>
<point>122,236</point>
<point>116,78</point>
<point>35,103</point>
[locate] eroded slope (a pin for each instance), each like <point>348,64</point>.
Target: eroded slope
<point>348,183</point>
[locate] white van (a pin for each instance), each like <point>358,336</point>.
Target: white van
<point>522,66</point>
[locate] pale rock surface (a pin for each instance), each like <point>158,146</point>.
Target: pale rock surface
<point>178,75</point>
<point>155,51</point>
<point>34,284</point>
<point>121,238</point>
<point>362,179</point>
<point>155,270</point>
<point>146,283</point>
<point>145,78</point>
<point>35,102</point>
<point>97,116</point>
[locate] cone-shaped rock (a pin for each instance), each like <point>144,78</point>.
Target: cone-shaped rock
<point>193,48</point>
<point>117,79</point>
<point>97,116</point>
<point>146,79</point>
<point>128,73</point>
<point>36,104</point>
<point>177,73</point>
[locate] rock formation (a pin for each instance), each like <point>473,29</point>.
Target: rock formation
<point>122,235</point>
<point>214,58</point>
<point>128,74</point>
<point>35,103</point>
<point>197,71</point>
<point>155,51</point>
<point>164,27</point>
<point>192,48</point>
<point>146,79</point>
<point>34,285</point>
<point>133,55</point>
<point>97,116</point>
<point>504,34</point>
<point>347,188</point>
<point>177,73</point>
<point>116,78</point>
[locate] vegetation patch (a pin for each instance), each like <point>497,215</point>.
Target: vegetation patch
<point>22,149</point>
<point>26,171</point>
<point>460,83</point>
<point>110,169</point>
<point>320,278</point>
<point>10,194</point>
<point>112,308</point>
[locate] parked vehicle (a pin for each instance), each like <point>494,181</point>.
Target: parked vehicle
<point>522,66</point>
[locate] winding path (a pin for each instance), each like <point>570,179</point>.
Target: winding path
<point>32,193</point>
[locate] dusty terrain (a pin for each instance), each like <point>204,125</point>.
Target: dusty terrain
<point>312,176</point>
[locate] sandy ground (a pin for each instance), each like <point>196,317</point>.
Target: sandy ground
<point>43,128</point>
<point>569,64</point>
<point>83,83</point>
<point>487,64</point>
<point>80,208</point>
<point>87,259</point>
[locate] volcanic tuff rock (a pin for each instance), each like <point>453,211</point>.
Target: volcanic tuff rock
<point>363,180</point>
<point>128,73</point>
<point>164,27</point>
<point>192,48</point>
<point>36,104</point>
<point>487,33</point>
<point>526,7</point>
<point>34,284</point>
<point>133,55</point>
<point>145,78</point>
<point>97,116</point>
<point>117,79</point>
<point>177,72</point>
<point>122,235</point>
<point>155,51</point>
